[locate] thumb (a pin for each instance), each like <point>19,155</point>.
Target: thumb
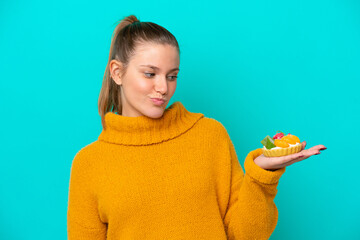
<point>303,145</point>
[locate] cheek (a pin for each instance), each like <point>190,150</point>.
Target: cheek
<point>144,84</point>
<point>140,86</point>
<point>172,87</point>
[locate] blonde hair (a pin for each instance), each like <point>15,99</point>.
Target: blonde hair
<point>128,33</point>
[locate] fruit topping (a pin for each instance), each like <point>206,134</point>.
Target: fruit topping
<point>281,143</point>
<point>280,140</point>
<point>289,139</point>
<point>268,142</point>
<point>294,138</point>
<point>278,135</point>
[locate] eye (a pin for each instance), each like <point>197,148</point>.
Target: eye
<point>148,75</point>
<point>173,78</point>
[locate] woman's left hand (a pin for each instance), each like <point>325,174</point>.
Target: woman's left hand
<point>275,163</point>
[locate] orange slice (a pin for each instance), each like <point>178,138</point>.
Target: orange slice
<point>289,139</point>
<point>293,138</point>
<point>281,143</point>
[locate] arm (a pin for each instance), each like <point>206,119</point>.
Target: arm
<point>251,212</point>
<point>83,220</point>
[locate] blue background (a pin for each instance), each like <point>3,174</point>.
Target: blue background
<point>255,66</point>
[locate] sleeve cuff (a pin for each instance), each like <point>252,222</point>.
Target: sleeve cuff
<point>259,174</point>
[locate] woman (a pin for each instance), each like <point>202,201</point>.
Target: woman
<point>157,173</point>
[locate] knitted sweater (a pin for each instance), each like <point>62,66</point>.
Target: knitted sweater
<point>176,177</point>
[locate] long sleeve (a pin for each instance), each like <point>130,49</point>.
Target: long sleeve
<point>83,220</point>
<point>251,213</point>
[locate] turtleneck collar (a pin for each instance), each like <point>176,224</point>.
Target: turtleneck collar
<point>144,130</point>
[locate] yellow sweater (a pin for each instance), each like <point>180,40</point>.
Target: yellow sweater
<point>177,177</point>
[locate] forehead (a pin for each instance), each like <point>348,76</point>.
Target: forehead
<point>156,54</point>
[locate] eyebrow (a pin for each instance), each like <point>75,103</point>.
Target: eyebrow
<point>151,66</point>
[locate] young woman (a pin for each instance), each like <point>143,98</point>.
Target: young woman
<point>157,173</point>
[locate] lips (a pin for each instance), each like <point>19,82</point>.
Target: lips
<point>158,101</point>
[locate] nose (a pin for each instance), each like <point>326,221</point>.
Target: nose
<point>161,85</point>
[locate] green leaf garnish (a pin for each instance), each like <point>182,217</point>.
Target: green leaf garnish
<point>268,142</point>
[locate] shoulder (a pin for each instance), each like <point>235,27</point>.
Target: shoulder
<point>85,169</point>
<point>214,126</point>
<point>85,157</point>
<point>87,149</point>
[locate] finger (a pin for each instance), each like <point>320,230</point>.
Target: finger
<point>303,145</point>
<point>286,162</point>
<point>285,159</point>
<point>317,148</point>
<point>297,157</point>
<point>312,151</point>
<point>322,147</point>
<point>306,154</point>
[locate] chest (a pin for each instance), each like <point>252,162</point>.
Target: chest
<point>153,180</point>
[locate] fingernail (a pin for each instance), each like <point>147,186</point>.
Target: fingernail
<point>316,153</point>
<point>323,148</point>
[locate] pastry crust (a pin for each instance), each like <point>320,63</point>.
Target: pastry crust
<point>282,151</point>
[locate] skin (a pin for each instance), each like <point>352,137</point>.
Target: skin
<point>275,163</point>
<point>139,84</point>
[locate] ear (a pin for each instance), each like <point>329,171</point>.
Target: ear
<point>115,68</point>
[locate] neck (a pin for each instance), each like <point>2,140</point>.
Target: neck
<point>143,130</point>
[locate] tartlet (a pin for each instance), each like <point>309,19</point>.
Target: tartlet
<point>281,145</point>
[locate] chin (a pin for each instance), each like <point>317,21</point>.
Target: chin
<point>158,113</point>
